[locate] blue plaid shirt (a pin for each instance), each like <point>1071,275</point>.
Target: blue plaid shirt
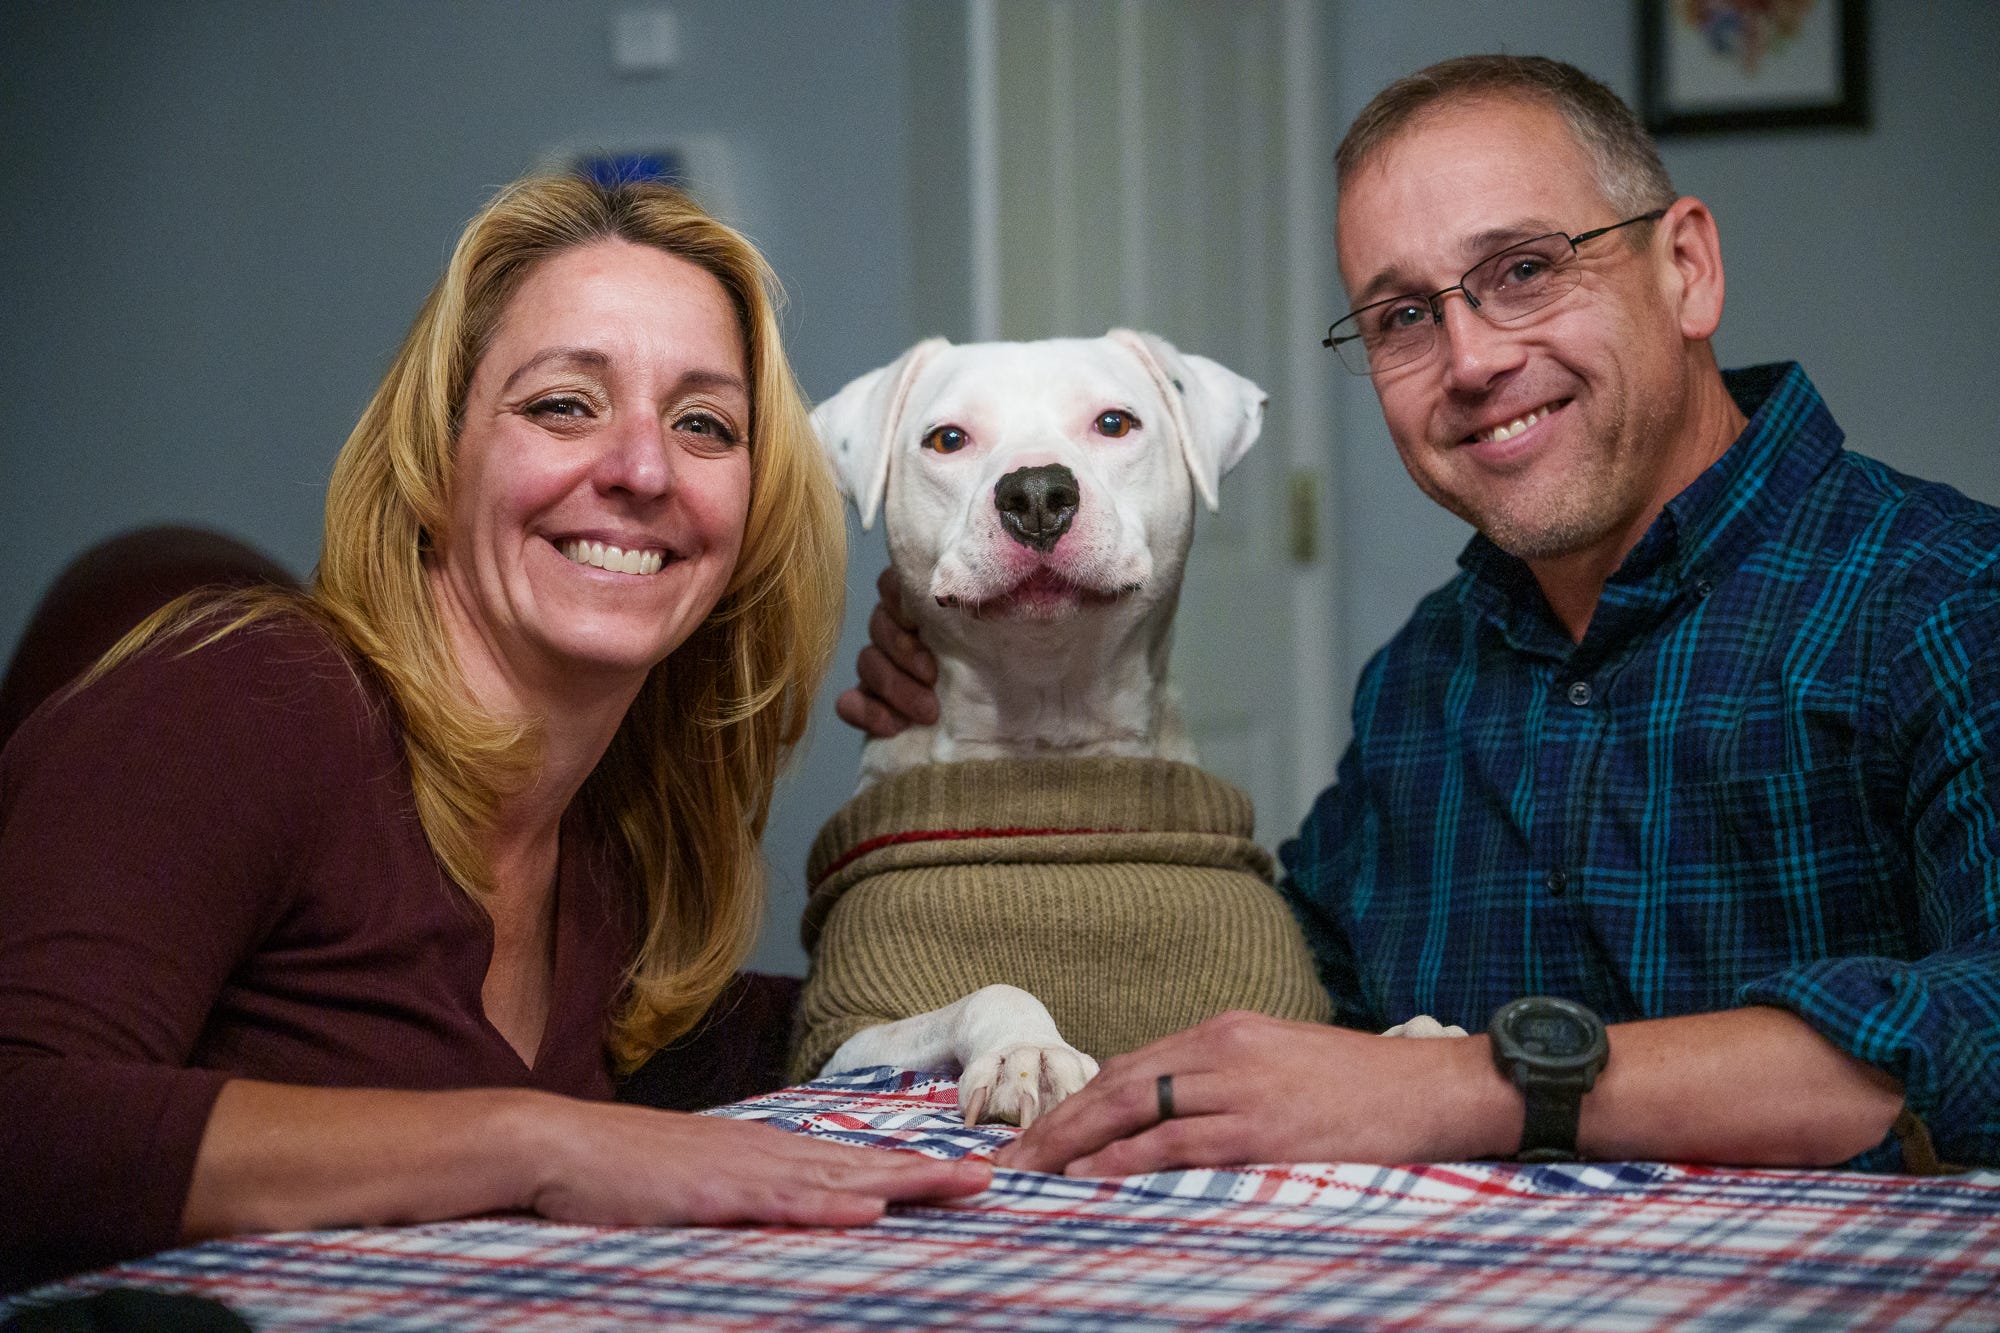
<point>1768,775</point>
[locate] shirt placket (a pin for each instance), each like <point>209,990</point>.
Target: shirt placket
<point>1574,723</point>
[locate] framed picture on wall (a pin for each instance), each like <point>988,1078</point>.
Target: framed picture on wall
<point>1711,66</point>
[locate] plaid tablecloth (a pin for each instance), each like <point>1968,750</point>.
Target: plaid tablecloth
<point>1483,1246</point>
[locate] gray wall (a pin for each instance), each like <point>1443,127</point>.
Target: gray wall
<point>217,218</point>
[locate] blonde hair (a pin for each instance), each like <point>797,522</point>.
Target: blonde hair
<point>685,785</point>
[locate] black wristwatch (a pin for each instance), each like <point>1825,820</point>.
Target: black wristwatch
<point>1553,1051</point>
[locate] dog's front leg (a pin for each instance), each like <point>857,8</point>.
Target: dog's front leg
<point>1013,1064</point>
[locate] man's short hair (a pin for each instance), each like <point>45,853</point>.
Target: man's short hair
<point>1622,156</point>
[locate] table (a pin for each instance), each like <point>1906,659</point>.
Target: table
<point>1482,1246</point>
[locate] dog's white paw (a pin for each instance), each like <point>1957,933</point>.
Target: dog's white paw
<point>1017,1083</point>
<point>1423,1025</point>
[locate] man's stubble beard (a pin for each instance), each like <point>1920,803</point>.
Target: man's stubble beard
<point>1581,508</point>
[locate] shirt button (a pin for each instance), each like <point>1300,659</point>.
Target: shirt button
<point>1558,881</point>
<point>1703,588</point>
<point>1579,692</point>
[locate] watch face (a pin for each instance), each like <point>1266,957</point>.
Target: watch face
<point>1555,1035</point>
<point>1550,1035</point>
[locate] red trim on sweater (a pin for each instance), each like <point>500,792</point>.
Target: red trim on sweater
<point>945,835</point>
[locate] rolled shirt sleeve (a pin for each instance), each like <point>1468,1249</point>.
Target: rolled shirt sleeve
<point>1933,1021</point>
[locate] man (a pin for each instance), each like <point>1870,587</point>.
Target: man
<point>1704,739</point>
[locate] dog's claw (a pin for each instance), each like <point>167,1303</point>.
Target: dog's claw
<point>1018,1083</point>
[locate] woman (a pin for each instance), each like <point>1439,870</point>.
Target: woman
<point>338,909</point>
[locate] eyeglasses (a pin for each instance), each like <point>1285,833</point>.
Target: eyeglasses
<point>1502,288</point>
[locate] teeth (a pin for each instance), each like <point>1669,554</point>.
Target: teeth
<point>1514,427</point>
<point>616,559</point>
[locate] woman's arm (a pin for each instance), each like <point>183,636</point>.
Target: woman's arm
<point>275,1157</point>
<point>159,840</point>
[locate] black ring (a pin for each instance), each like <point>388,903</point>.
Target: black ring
<point>1163,1088</point>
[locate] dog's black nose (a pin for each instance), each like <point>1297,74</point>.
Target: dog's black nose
<point>1036,504</point>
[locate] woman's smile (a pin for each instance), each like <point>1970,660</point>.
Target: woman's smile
<point>616,559</point>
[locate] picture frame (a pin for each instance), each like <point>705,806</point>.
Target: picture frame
<point>1718,66</point>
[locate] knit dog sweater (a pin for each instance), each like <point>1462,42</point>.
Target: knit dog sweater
<point>1125,894</point>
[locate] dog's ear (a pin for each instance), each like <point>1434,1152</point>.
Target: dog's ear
<point>857,425</point>
<point>1217,412</point>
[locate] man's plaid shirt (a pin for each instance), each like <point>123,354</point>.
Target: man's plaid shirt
<point>1770,774</point>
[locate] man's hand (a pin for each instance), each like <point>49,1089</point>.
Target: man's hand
<point>897,673</point>
<point>1248,1088</point>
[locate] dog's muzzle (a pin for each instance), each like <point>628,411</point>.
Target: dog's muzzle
<point>1037,504</point>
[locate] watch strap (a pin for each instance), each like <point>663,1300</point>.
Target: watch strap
<point>1548,1134</point>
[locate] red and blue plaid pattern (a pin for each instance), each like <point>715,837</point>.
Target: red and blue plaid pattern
<point>1624,1246</point>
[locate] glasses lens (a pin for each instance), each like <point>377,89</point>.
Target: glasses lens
<point>1384,335</point>
<point>1345,339</point>
<point>1523,278</point>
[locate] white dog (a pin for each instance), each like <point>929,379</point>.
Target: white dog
<point>1039,500</point>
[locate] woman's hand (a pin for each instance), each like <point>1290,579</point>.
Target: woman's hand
<point>897,673</point>
<point>282,1158</point>
<point>631,1166</point>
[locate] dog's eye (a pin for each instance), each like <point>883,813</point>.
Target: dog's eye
<point>1115,423</point>
<point>945,439</point>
